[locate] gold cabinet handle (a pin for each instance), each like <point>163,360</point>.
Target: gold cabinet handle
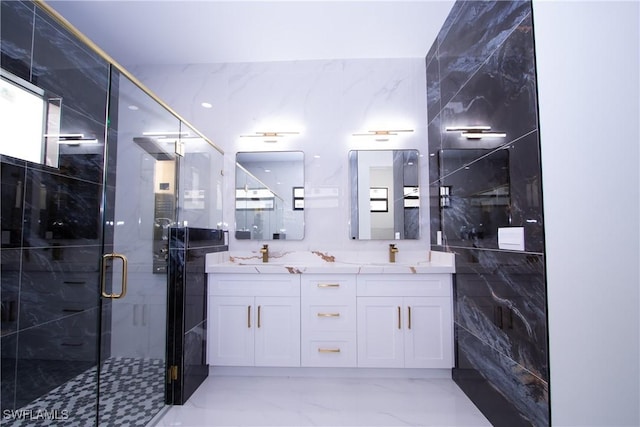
<point>328,285</point>
<point>328,350</point>
<point>328,314</point>
<point>259,316</point>
<point>409,310</point>
<point>249,316</point>
<point>399,317</point>
<point>103,276</point>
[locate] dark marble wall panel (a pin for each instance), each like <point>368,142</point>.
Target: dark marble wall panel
<point>433,91</point>
<point>59,208</point>
<point>501,300</point>
<point>195,362</point>
<point>526,190</point>
<point>16,32</point>
<point>487,77</point>
<point>517,396</point>
<point>470,35</point>
<point>57,286</point>
<point>434,138</point>
<point>501,94</point>
<point>53,353</point>
<point>8,365</point>
<point>187,312</point>
<point>52,228</point>
<point>67,68</point>
<point>13,177</point>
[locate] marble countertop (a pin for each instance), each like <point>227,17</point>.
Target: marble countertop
<point>428,262</point>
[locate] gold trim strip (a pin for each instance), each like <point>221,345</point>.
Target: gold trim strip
<point>86,40</point>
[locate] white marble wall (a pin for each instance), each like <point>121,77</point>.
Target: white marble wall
<point>327,101</point>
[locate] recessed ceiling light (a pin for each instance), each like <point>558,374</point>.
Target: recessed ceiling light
<point>206,105</point>
<point>133,107</point>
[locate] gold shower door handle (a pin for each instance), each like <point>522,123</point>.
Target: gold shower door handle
<point>103,276</point>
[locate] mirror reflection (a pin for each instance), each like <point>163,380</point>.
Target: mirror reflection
<point>474,201</point>
<point>269,195</point>
<point>385,194</point>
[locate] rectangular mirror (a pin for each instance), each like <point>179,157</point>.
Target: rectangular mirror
<point>385,194</point>
<point>270,195</point>
<point>475,201</point>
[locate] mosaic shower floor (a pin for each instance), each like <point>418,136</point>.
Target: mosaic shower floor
<point>131,393</point>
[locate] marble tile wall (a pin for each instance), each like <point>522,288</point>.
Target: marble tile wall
<point>187,307</point>
<point>481,71</point>
<point>51,226</point>
<point>328,101</point>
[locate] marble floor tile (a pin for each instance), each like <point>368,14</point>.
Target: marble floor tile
<point>301,401</point>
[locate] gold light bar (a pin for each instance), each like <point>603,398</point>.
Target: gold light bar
<point>269,135</point>
<point>476,131</point>
<point>383,132</point>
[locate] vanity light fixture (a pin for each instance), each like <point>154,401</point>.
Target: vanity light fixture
<point>382,134</point>
<point>476,132</point>
<point>77,141</point>
<point>269,137</point>
<point>72,138</point>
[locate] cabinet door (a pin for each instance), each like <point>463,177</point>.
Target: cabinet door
<point>428,332</point>
<point>277,338</point>
<point>231,325</point>
<point>380,330</point>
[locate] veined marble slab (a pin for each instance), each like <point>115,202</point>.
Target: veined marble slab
<point>323,263</point>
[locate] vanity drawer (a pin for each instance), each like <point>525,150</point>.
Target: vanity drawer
<point>254,284</point>
<point>318,287</point>
<point>338,350</point>
<point>328,317</point>
<point>427,285</point>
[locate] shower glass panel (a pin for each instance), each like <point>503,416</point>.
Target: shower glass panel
<point>140,208</point>
<point>200,180</point>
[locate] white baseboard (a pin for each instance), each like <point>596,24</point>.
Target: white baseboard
<point>226,371</point>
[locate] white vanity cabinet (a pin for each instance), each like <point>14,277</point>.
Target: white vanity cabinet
<point>328,310</point>
<point>404,321</point>
<point>254,320</point>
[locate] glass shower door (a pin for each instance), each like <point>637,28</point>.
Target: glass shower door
<point>140,207</point>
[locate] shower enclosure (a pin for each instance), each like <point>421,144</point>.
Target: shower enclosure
<point>84,235</point>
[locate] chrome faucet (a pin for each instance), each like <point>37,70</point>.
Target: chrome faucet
<point>392,252</point>
<point>265,253</point>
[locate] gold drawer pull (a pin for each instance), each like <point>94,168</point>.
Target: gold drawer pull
<point>328,314</point>
<point>328,285</point>
<point>328,350</point>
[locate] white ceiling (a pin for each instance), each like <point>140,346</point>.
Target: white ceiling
<point>207,31</point>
